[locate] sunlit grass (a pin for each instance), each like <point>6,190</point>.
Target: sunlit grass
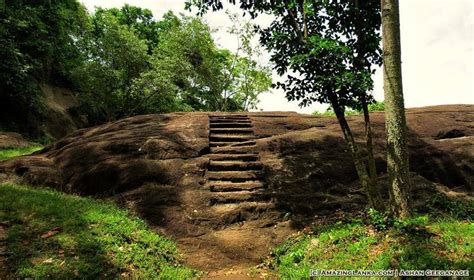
<point>14,152</point>
<point>422,242</point>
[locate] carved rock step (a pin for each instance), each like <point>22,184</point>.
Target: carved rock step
<point>226,157</point>
<point>231,130</point>
<point>254,206</point>
<point>240,196</point>
<point>229,117</point>
<point>214,121</point>
<point>233,149</point>
<point>234,144</point>
<point>234,165</point>
<point>234,176</point>
<point>230,138</point>
<point>230,124</point>
<point>223,186</point>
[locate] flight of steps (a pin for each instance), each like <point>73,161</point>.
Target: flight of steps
<point>234,175</point>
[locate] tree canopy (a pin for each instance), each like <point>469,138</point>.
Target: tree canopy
<point>119,62</point>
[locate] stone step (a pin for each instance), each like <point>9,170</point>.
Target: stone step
<point>238,196</point>
<point>233,149</point>
<point>226,157</point>
<point>230,138</point>
<point>232,130</point>
<point>234,176</point>
<point>254,206</point>
<point>230,121</point>
<point>223,186</point>
<point>234,166</point>
<point>235,144</point>
<point>230,125</point>
<point>229,116</point>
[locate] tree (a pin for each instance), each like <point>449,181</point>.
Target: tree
<point>397,156</point>
<point>185,67</point>
<point>37,45</point>
<point>190,72</point>
<point>115,57</point>
<point>245,79</point>
<point>326,59</point>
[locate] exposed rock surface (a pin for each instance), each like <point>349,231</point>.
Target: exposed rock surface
<point>58,102</point>
<point>13,140</point>
<point>231,195</point>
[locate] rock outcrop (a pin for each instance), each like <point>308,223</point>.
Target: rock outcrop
<point>229,187</point>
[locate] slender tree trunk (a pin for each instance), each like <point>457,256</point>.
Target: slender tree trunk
<point>359,63</point>
<point>397,158</point>
<point>370,144</point>
<point>367,183</point>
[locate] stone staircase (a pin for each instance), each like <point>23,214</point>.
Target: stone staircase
<point>234,174</point>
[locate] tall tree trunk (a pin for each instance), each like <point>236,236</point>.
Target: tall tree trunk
<point>397,158</point>
<point>367,183</point>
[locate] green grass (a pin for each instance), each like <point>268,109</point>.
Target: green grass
<point>14,152</point>
<point>96,240</point>
<point>440,241</point>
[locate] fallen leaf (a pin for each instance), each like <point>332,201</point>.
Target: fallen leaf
<point>50,233</point>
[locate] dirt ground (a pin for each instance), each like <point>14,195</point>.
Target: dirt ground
<point>228,189</point>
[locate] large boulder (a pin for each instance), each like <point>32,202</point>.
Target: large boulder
<point>156,164</point>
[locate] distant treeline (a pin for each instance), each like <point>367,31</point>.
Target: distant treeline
<point>119,62</point>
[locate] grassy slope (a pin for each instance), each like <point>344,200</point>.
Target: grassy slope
<point>14,152</point>
<point>92,240</point>
<point>439,241</point>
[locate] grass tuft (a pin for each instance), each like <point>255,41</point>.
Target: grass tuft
<point>14,152</point>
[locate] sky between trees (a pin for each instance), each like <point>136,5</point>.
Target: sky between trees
<point>437,50</point>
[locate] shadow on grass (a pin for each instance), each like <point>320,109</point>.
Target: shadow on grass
<point>56,236</point>
<point>441,245</point>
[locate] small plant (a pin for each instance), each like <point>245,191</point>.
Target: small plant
<point>381,221</point>
<point>411,224</point>
<point>374,107</point>
<point>440,203</point>
<point>377,106</point>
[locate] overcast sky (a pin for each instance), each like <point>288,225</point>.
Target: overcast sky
<point>437,50</point>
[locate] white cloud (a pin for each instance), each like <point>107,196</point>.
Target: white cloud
<point>437,50</point>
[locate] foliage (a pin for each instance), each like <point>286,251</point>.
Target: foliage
<point>244,78</point>
<point>444,206</point>
<point>376,106</point>
<point>14,152</point>
<point>57,236</point>
<point>116,56</point>
<point>316,44</point>
<point>373,107</point>
<point>37,40</point>
<point>119,62</point>
<point>379,243</point>
<point>184,70</point>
